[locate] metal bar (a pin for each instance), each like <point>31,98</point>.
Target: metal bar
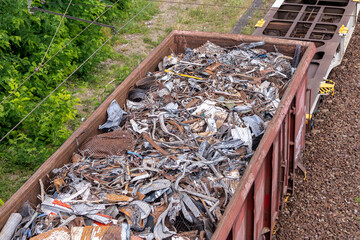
<point>33,9</point>
<point>293,26</point>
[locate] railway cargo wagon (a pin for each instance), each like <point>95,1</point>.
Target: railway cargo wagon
<point>328,24</point>
<point>269,176</point>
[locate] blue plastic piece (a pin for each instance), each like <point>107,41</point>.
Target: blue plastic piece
<point>136,154</point>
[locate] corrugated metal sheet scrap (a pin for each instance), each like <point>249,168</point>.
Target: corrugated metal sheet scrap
<point>168,164</point>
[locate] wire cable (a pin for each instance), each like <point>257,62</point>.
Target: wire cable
<point>41,66</point>
<point>39,104</point>
<point>34,9</point>
<point>80,4</point>
<point>57,29</point>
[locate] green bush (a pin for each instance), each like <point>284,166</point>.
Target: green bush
<point>24,39</point>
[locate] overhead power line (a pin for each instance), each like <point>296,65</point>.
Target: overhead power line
<point>57,29</point>
<point>71,17</point>
<point>42,101</point>
<point>80,4</point>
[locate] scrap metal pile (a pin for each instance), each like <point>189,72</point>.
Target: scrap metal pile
<point>168,164</point>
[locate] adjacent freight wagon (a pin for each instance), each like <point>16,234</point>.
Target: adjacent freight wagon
<point>328,24</point>
<point>269,177</point>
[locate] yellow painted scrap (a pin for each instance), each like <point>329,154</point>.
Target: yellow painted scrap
<point>183,75</point>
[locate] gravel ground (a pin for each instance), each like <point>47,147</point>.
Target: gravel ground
<point>326,204</point>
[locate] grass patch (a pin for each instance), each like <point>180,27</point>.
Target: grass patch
<point>169,30</point>
<point>13,172</point>
<point>211,18</point>
<point>11,179</point>
<point>150,42</point>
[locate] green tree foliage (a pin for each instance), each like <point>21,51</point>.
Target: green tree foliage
<point>24,38</point>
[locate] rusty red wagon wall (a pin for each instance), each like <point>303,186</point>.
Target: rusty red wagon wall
<point>255,205</point>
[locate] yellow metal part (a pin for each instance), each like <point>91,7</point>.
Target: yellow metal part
<point>305,176</point>
<point>287,197</point>
<point>260,23</point>
<point>274,229</point>
<point>183,75</point>
<point>327,87</point>
<point>343,30</point>
<point>308,118</point>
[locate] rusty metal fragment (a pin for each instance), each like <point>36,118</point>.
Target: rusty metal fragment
<point>108,144</point>
<point>61,233</point>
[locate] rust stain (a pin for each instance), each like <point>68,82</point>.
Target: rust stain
<point>190,121</point>
<point>86,233</point>
<point>76,158</point>
<point>113,233</point>
<point>192,103</point>
<point>99,232</point>
<point>61,233</point>
<point>180,128</point>
<point>58,183</point>
<point>213,67</point>
<point>113,198</point>
<point>157,147</point>
<point>112,143</point>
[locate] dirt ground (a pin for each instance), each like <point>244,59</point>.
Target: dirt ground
<point>327,204</point>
